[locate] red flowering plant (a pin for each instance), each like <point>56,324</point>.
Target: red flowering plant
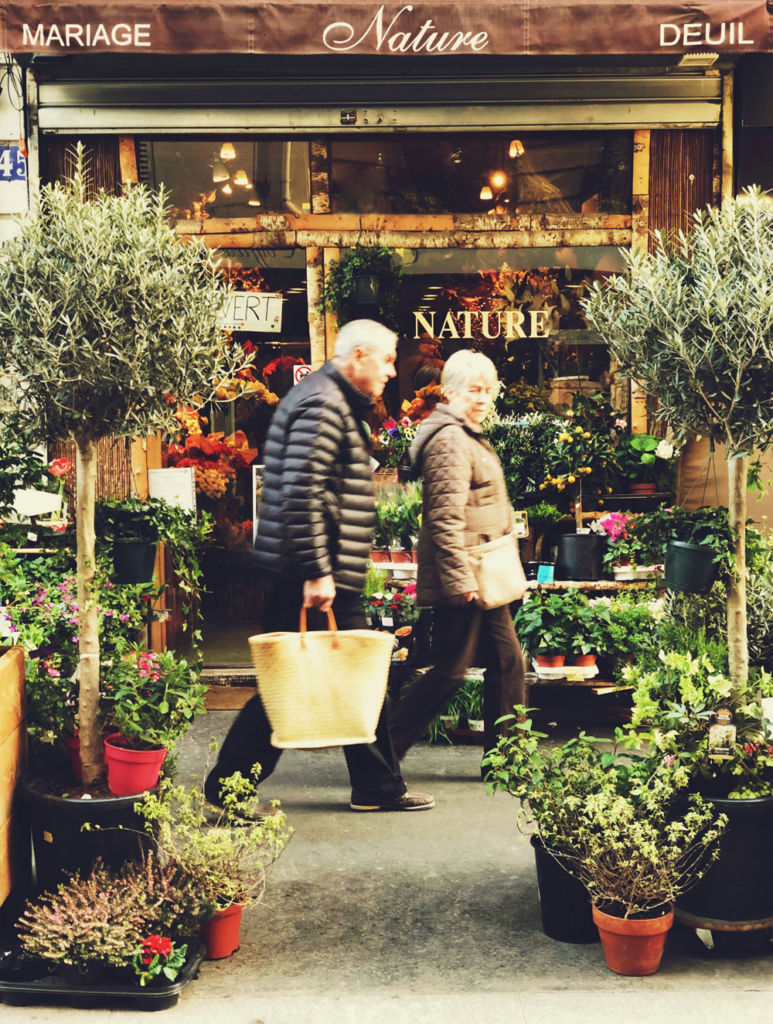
<point>150,698</point>
<point>395,601</point>
<point>158,956</point>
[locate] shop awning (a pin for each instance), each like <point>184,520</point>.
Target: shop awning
<point>429,28</point>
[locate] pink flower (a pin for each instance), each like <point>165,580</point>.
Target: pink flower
<point>59,467</point>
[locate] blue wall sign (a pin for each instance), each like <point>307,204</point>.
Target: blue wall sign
<point>13,166</point>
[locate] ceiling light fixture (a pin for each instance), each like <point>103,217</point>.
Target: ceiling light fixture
<point>516,149</point>
<point>498,179</point>
<point>240,178</point>
<point>227,151</point>
<point>220,171</point>
<point>486,193</point>
<point>227,190</point>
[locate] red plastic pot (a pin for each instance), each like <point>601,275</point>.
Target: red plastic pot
<point>221,933</point>
<point>633,946</point>
<point>131,771</point>
<point>550,660</point>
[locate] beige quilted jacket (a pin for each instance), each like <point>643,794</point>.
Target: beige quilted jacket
<point>465,503</point>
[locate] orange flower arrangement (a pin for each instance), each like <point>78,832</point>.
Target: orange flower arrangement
<point>422,405</point>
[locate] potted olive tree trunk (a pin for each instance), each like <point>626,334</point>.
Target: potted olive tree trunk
<point>107,321</point>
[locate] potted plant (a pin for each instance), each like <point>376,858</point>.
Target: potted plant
<point>364,282</point>
<point>621,835</point>
<point>544,625</point>
<point>715,733</point>
<point>398,521</point>
<point>393,442</point>
<point>701,547</point>
<point>691,322</point>
<point>646,463</point>
<point>542,516</point>
<point>227,850</point>
<point>628,554</point>
<point>111,365</point>
<point>150,700</point>
<point>108,935</point>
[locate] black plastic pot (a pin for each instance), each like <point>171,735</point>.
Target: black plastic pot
<point>59,843</point>
<point>738,887</point>
<point>22,985</point>
<point>580,556</point>
<point>564,902</point>
<point>690,568</point>
<point>133,561</point>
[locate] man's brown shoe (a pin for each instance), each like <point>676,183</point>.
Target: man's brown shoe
<point>404,802</point>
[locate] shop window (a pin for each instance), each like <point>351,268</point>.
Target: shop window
<point>225,440</point>
<point>533,172</point>
<point>228,177</point>
<point>519,306</point>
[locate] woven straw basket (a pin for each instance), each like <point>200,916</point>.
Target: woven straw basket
<point>322,689</point>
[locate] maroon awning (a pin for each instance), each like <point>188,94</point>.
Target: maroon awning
<point>432,27</point>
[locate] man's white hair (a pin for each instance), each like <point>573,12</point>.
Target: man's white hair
<point>465,367</point>
<point>364,334</point>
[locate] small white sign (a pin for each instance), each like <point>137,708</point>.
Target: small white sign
<point>253,311</point>
<point>300,371</point>
<point>175,486</point>
<point>28,503</point>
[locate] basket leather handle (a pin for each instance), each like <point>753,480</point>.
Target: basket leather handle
<point>331,623</point>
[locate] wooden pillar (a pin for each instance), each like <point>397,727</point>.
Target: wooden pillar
<point>127,159</point>
<point>314,283</point>
<point>145,454</point>
<point>13,756</point>
<point>640,233</point>
<point>331,324</point>
<point>726,173</point>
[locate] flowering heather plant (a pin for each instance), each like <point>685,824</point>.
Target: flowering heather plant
<point>151,698</point>
<point>157,955</point>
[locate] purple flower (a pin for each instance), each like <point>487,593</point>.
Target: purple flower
<point>124,616</point>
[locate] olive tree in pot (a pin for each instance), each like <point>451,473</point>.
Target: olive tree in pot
<point>693,322</point>
<point>106,321</point>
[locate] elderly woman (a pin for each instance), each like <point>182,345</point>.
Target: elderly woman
<point>465,503</point>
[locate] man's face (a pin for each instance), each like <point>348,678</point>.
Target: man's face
<point>371,368</point>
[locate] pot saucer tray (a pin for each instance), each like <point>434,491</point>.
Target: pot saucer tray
<point>17,989</point>
<point>571,673</point>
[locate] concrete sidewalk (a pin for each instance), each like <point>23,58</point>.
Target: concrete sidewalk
<point>427,917</point>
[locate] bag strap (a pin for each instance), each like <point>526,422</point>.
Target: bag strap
<point>331,624</point>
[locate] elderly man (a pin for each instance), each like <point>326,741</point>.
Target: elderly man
<point>313,542</point>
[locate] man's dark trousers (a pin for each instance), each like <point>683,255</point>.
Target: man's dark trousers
<point>374,770</point>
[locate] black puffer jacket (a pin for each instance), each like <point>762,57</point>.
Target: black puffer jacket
<point>317,512</point>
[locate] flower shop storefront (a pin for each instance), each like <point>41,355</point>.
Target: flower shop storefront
<point>501,182</point>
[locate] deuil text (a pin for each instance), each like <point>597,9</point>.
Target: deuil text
<point>387,33</point>
<point>506,323</point>
<point>703,33</point>
<point>68,35</point>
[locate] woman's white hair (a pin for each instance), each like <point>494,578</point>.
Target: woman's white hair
<point>465,367</point>
<point>364,334</point>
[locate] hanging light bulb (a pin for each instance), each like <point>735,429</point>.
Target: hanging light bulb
<point>240,178</point>
<point>220,171</point>
<point>380,159</point>
<point>498,179</point>
<point>516,149</point>
<point>253,202</point>
<point>486,193</point>
<point>227,190</point>
<point>227,151</point>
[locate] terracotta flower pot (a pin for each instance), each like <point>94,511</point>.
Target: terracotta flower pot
<point>642,488</point>
<point>633,947</point>
<point>131,771</point>
<point>583,659</point>
<point>221,933</point>
<point>550,660</point>
<point>379,555</point>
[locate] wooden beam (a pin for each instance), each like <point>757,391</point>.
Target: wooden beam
<point>726,173</point>
<point>330,255</point>
<point>640,236</point>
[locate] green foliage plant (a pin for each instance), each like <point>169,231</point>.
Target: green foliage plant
<point>611,818</point>
<point>107,321</point>
<point>644,458</point>
<point>676,702</point>
<point>398,516</point>
<point>546,623</point>
<point>521,445</point>
<point>521,398</point>
<point>542,516</point>
<point>227,851</point>
<point>339,294</point>
<point>693,322</point>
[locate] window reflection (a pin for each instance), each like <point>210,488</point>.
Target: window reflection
<point>228,177</point>
<point>532,172</point>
